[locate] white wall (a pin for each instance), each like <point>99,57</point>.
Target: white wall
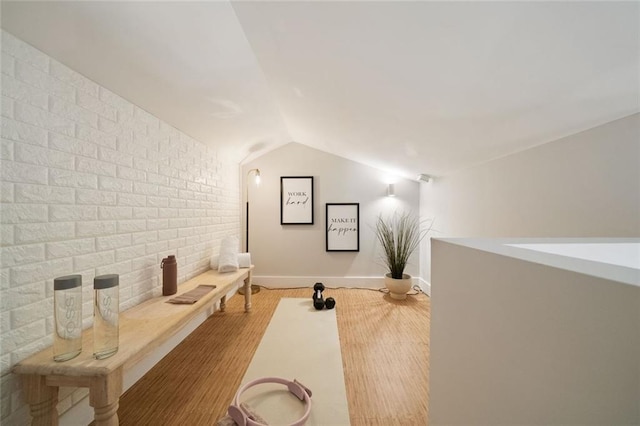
<point>531,338</point>
<point>584,185</point>
<point>91,184</point>
<point>299,250</point>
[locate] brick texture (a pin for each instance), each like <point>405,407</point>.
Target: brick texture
<point>92,184</point>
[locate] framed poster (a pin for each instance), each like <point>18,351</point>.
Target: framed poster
<point>343,227</point>
<point>296,200</point>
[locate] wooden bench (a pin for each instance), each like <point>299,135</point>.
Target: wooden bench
<point>142,329</point>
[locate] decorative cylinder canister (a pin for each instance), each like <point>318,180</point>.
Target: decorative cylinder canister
<point>169,275</point>
<point>67,313</point>
<point>105,315</point>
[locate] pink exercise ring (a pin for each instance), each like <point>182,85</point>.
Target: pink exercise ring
<point>242,418</point>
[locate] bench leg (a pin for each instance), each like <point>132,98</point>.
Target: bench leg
<point>42,400</point>
<point>247,293</point>
<point>104,397</point>
<point>223,303</point>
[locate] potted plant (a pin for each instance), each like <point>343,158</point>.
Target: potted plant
<point>400,236</point>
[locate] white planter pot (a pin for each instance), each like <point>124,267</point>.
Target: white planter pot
<point>398,288</point>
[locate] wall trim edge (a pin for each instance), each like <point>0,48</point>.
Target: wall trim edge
<point>272,281</point>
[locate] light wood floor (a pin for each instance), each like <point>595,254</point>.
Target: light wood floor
<point>385,355</point>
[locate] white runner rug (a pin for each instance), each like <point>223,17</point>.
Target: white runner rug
<point>302,343</point>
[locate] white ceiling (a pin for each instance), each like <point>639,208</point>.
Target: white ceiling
<point>409,87</point>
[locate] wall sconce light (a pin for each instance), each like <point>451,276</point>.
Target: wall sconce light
<point>391,190</point>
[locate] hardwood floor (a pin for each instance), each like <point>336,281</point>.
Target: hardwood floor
<point>385,355</point>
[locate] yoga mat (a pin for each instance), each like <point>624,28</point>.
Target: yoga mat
<point>300,343</point>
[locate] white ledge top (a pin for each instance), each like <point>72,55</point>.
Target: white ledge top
<point>615,259</point>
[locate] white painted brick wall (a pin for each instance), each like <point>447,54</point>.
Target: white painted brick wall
<point>91,184</point>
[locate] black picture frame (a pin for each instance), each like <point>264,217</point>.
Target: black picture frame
<point>342,227</point>
<point>296,200</point>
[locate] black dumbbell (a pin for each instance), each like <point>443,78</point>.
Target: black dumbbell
<point>330,303</point>
<point>318,300</point>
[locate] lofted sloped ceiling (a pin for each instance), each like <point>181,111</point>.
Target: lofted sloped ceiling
<point>409,87</point>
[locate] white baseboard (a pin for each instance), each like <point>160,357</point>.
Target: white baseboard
<point>330,282</point>
<point>425,286</point>
<point>309,281</point>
